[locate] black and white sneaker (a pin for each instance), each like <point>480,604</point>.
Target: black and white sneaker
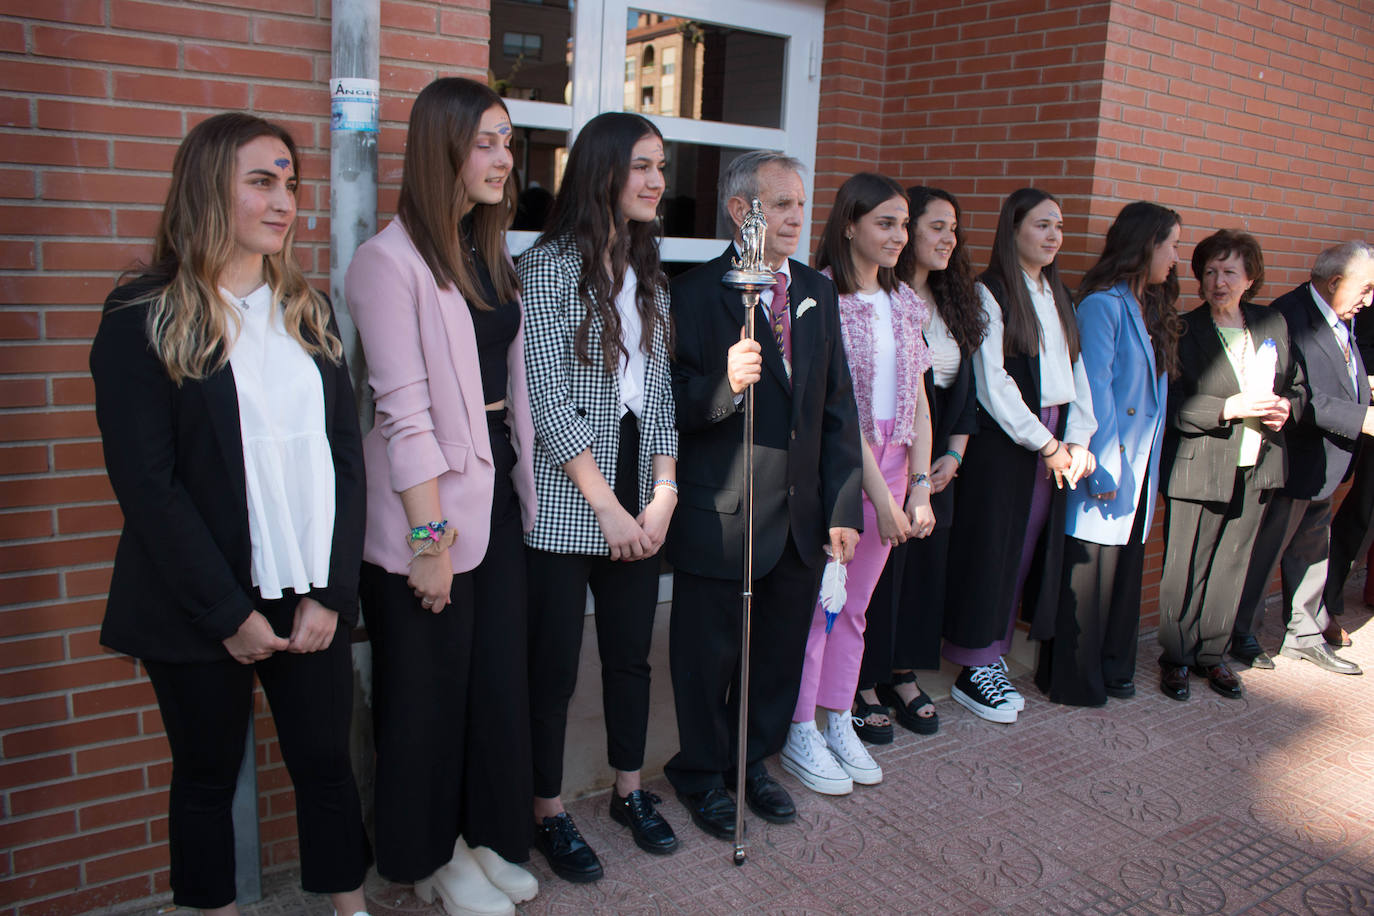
<point>1009,692</point>
<point>979,691</point>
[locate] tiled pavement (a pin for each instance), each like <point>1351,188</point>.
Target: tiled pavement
<point>1263,805</point>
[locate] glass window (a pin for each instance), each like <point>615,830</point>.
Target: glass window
<point>540,156</point>
<point>690,203</point>
<point>533,59</point>
<point>720,73</point>
<point>522,44</point>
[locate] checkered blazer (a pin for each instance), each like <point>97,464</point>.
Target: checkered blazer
<point>577,406</point>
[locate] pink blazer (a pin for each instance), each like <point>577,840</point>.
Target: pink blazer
<point>422,365</point>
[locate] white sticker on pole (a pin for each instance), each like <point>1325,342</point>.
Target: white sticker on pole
<point>353,104</point>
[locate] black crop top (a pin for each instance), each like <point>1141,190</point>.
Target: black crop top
<point>494,329</point>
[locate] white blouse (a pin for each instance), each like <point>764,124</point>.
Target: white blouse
<point>631,367</point>
<point>884,355</point>
<point>944,350</point>
<point>1061,381</point>
<point>287,462</point>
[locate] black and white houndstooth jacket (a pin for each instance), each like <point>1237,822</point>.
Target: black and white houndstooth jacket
<point>577,406</point>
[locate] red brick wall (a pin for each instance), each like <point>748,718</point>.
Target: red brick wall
<point>98,94</point>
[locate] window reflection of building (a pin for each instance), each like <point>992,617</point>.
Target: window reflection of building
<point>530,57</point>
<point>658,42</point>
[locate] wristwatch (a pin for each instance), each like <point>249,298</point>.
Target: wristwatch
<point>921,480</point>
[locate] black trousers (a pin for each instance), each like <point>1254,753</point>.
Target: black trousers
<point>704,653</point>
<point>625,595</point>
<point>205,710</point>
<point>448,693</point>
<point>906,614</point>
<point>1097,622</point>
<point>1207,549</point>
<point>1352,530</point>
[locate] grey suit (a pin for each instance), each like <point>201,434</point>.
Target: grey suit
<point>1295,533</point>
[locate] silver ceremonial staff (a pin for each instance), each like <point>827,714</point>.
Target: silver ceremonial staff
<point>750,277</point>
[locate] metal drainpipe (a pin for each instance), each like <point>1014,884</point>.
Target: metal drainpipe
<point>354,100</point>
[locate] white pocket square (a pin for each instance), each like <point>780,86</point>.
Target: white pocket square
<point>806,303</point>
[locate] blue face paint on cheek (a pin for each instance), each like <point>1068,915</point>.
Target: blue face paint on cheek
<point>281,163</point>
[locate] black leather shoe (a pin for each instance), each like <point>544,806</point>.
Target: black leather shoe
<point>1173,681</point>
<point>636,811</point>
<point>569,855</point>
<point>768,799</point>
<point>1322,656</point>
<point>713,811</point>
<point>1247,650</point>
<point>1122,690</point>
<point>1222,680</point>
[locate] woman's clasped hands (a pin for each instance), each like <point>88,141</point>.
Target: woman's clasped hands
<point>1069,462</point>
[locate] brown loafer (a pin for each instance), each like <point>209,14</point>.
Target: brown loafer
<point>1222,680</point>
<point>1173,681</point>
<point>1336,637</point>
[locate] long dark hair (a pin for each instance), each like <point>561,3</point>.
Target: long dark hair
<point>587,214</point>
<point>1138,229</point>
<point>956,300</point>
<point>1021,329</point>
<point>443,126</point>
<point>858,196</point>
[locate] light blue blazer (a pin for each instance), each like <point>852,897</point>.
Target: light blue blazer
<point>1128,398</point>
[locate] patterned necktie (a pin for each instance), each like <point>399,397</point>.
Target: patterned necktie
<point>782,320</point>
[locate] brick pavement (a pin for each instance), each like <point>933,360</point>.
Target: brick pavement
<point>1263,805</point>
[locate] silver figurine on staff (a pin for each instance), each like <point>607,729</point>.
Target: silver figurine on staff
<point>750,276</point>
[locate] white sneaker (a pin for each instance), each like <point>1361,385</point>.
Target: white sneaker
<point>849,750</point>
<point>507,877</point>
<point>1009,693</point>
<point>979,691</point>
<point>462,888</point>
<point>806,756</point>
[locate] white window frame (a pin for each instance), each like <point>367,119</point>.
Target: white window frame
<point>598,84</point>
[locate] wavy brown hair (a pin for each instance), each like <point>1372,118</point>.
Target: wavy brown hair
<point>188,320</point>
<point>1137,231</point>
<point>586,215</point>
<point>1021,329</point>
<point>956,299</point>
<point>443,127</point>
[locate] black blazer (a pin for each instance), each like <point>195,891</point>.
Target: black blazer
<point>996,485</point>
<point>1323,440</point>
<point>182,577</point>
<point>953,412</point>
<point>1198,461</point>
<point>807,460</point>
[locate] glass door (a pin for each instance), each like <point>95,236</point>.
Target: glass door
<point>717,78</point>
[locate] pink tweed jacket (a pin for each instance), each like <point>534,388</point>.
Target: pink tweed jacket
<point>909,316</point>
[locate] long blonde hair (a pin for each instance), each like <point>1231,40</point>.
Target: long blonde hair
<point>188,319</point>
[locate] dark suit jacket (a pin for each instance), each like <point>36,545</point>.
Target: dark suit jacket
<point>1200,449</point>
<point>1322,442</point>
<point>953,412</point>
<point>807,459</point>
<point>182,576</point>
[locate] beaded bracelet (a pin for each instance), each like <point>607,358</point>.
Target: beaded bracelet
<point>425,537</point>
<point>666,482</point>
<point>958,458</point>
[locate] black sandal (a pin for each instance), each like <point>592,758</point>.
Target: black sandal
<point>873,734</point>
<point>907,712</point>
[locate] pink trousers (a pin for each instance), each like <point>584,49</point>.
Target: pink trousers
<point>830,674</point>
